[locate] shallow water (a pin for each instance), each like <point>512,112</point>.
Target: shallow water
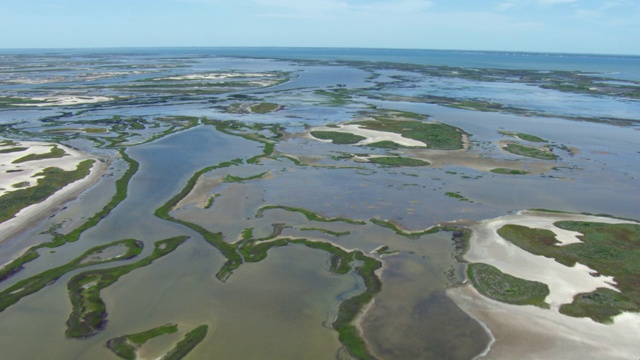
<point>282,307</point>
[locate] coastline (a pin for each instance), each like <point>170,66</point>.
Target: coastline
<point>529,332</point>
<point>34,213</point>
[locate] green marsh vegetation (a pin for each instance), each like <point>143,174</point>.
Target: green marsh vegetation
<point>310,215</point>
<point>529,151</point>
<point>54,179</point>
<point>608,249</point>
<point>33,284</point>
<point>88,310</point>
<point>523,136</point>
<point>507,171</point>
<point>259,108</point>
<point>435,135</point>
<point>54,153</point>
<point>408,234</point>
<point>397,161</point>
<point>126,346</point>
<point>338,137</point>
<point>456,195</point>
<point>495,284</point>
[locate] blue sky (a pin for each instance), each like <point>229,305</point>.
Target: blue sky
<point>583,26</point>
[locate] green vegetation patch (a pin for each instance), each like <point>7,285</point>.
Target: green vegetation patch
<point>507,171</point>
<point>397,161</point>
<point>408,234</point>
<point>338,137</point>
<point>55,153</point>
<point>126,346</point>
<point>495,284</point>
<point>35,283</point>
<point>435,135</point>
<point>456,195</point>
<point>608,249</point>
<point>89,311</point>
<point>188,343</point>
<point>385,144</point>
<point>54,179</point>
<point>529,151</point>
<point>310,215</point>
<point>522,136</point>
<point>13,149</point>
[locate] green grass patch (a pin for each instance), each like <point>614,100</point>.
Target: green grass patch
<point>188,343</point>
<point>608,249</point>
<point>238,179</point>
<point>385,144</point>
<point>328,232</point>
<point>495,284</point>
<point>338,137</point>
<point>397,161</point>
<point>13,149</point>
<point>264,108</point>
<point>529,151</point>
<point>456,195</point>
<point>54,180</point>
<point>35,283</point>
<point>55,153</point>
<point>394,227</point>
<point>435,135</point>
<point>126,346</point>
<point>507,171</point>
<point>310,215</point>
<point>88,310</point>
<point>523,136</point>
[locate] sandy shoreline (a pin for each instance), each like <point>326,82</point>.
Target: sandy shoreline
<point>34,213</point>
<point>529,332</point>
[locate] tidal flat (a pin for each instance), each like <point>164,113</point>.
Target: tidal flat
<point>242,157</point>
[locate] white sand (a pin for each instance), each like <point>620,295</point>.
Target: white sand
<point>28,215</point>
<point>372,136</point>
<point>66,100</point>
<point>527,332</point>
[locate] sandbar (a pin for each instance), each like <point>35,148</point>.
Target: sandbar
<point>30,214</point>
<point>529,332</point>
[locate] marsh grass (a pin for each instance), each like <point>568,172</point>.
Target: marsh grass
<point>529,151</point>
<point>608,249</point>
<point>495,284</point>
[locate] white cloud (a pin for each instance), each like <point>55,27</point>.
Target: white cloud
<point>555,2</point>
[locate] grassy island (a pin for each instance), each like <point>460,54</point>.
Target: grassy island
<point>608,249</point>
<point>54,179</point>
<point>338,137</point>
<point>507,171</point>
<point>495,284</point>
<point>532,152</point>
<point>89,311</point>
<point>126,346</point>
<point>435,135</point>
<point>13,294</point>
<point>397,161</point>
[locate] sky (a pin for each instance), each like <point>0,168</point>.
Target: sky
<point>570,26</point>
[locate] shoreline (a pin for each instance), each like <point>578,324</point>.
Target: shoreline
<point>529,332</point>
<point>35,213</point>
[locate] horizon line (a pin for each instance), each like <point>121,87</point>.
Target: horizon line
<point>97,48</point>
